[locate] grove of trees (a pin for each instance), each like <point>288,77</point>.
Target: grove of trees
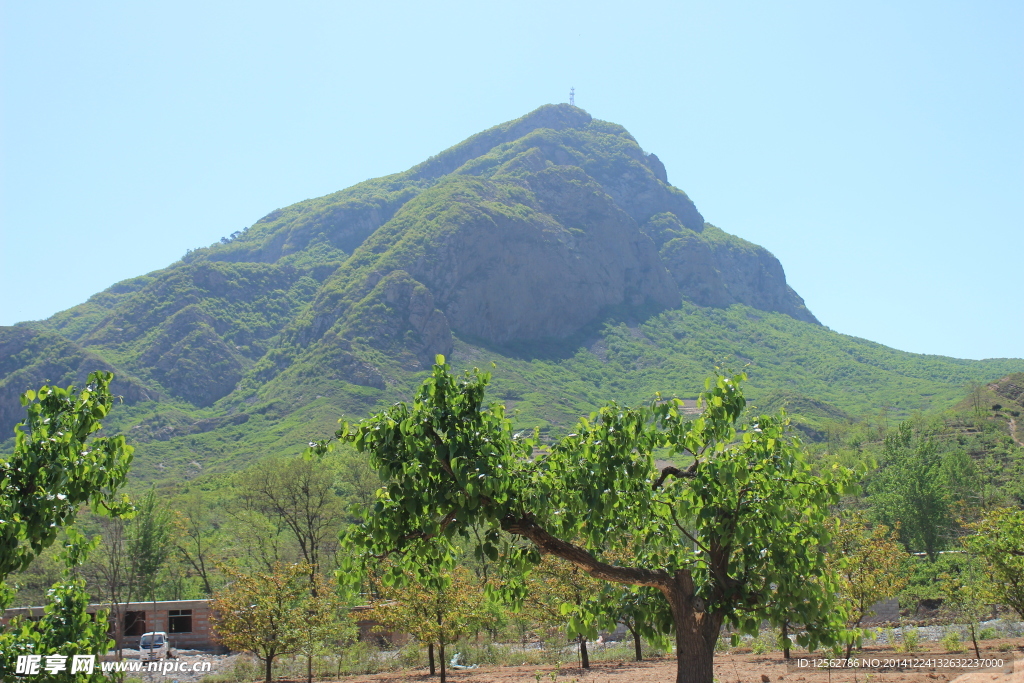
<point>448,522</point>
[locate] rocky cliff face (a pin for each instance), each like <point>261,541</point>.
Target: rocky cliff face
<point>715,269</point>
<point>531,230</point>
<point>504,262</point>
<point>1010,387</point>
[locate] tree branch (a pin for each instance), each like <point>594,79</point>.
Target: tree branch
<point>689,473</point>
<point>675,520</point>
<point>526,527</point>
<point>422,535</point>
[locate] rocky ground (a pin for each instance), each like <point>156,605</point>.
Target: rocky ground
<point>729,668</point>
<point>188,666</point>
<point>737,666</point>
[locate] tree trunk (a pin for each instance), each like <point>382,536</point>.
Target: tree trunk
<point>696,632</point>
<point>636,641</point>
<point>430,657</point>
<point>584,657</point>
<point>309,668</point>
<point>206,582</point>
<point>974,639</point>
<point>440,651</point>
<point>785,641</point>
<point>118,630</point>
<point>270,669</point>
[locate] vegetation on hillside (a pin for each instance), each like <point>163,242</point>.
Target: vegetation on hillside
<point>552,250</point>
<point>551,245</point>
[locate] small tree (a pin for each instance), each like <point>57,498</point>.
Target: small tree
<point>298,494</point>
<point>998,538</point>
<point>149,543</point>
<point>193,540</point>
<point>735,536</point>
<point>322,623</point>
<point>436,611</point>
<point>130,559</point>
<point>642,610</point>
<point>264,613</point>
<point>111,570</point>
<point>964,597</point>
<point>910,493</point>
<point>871,566</point>
<point>560,595</point>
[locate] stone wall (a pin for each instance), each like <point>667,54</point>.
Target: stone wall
<point>884,610</point>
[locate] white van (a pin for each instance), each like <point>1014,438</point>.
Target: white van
<point>153,646</point>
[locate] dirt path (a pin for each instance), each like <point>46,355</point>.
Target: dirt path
<point>1013,432</point>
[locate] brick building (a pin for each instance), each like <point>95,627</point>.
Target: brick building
<point>187,622</point>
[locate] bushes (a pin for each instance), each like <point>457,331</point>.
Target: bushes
<point>911,640</point>
<point>952,641</point>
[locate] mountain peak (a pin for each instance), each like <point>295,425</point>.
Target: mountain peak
<point>535,229</point>
<point>550,116</point>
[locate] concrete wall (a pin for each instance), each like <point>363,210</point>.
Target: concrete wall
<point>884,610</point>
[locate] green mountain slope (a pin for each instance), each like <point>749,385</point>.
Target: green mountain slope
<point>552,246</point>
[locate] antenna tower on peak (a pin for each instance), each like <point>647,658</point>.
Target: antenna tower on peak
<point>572,97</point>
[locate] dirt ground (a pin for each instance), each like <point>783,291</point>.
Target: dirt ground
<point>740,667</point>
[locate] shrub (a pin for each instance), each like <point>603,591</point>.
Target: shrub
<point>911,640</point>
<point>766,641</point>
<point>952,641</point>
<point>245,668</point>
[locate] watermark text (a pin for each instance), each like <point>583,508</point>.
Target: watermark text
<point>32,665</point>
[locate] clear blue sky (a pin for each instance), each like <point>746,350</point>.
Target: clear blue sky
<point>876,148</point>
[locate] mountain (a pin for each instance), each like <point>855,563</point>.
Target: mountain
<point>551,245</point>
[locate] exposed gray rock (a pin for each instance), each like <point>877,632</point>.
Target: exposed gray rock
<point>504,276</point>
<point>716,269</point>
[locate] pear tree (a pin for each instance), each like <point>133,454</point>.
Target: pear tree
<point>58,465</point>
<point>436,612</point>
<point>54,470</point>
<point>734,534</point>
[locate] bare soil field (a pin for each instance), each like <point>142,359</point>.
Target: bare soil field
<point>741,667</point>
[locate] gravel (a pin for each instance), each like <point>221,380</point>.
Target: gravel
<point>1005,629</point>
<point>190,660</point>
